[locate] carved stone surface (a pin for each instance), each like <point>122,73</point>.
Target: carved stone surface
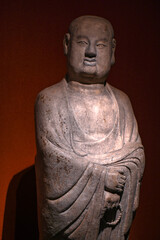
<point>90,159</point>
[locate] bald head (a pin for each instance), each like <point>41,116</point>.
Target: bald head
<point>88,19</point>
<point>89,46</point>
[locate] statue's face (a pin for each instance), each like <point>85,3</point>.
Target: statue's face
<point>90,52</point>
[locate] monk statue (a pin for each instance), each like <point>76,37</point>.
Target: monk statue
<point>90,158</point>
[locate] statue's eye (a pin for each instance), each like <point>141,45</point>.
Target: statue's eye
<point>101,45</point>
<point>82,43</point>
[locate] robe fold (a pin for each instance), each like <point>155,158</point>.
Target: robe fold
<point>71,168</point>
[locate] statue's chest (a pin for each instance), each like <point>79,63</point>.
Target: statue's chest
<point>94,115</point>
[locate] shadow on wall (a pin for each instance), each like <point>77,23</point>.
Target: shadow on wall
<point>20,218</point>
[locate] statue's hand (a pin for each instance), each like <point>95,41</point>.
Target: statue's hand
<point>115,179</point>
<point>111,200</point>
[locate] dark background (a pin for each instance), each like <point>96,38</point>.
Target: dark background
<point>31,58</point>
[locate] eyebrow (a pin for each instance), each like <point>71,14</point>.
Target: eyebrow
<point>81,36</point>
<point>98,40</point>
<point>103,39</point>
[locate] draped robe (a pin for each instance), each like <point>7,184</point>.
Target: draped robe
<point>71,168</point>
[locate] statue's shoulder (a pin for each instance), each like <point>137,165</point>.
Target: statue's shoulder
<point>52,91</point>
<point>121,97</point>
<point>51,94</point>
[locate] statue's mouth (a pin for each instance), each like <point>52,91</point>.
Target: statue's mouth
<point>89,62</point>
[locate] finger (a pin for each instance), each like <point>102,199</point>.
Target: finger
<point>119,189</point>
<point>121,171</point>
<point>122,177</point>
<point>120,185</point>
<point>122,181</point>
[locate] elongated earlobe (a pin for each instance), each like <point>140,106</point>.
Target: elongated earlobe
<point>66,43</point>
<point>113,51</point>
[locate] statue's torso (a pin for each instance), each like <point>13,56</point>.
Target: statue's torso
<point>93,109</point>
<point>95,115</point>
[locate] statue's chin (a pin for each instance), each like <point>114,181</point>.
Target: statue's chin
<point>88,75</point>
<point>90,80</point>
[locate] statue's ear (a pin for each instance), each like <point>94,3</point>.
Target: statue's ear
<point>113,51</point>
<point>66,43</point>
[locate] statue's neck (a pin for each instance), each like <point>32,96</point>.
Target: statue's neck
<point>87,89</point>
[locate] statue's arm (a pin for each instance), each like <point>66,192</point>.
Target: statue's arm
<point>44,130</point>
<point>131,135</point>
<point>136,160</point>
<point>131,156</point>
<point>55,157</point>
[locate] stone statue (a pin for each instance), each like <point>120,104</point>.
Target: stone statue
<point>90,159</point>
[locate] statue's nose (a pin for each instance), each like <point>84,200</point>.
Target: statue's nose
<point>90,51</point>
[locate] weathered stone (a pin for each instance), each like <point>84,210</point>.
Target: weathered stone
<point>90,159</point>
